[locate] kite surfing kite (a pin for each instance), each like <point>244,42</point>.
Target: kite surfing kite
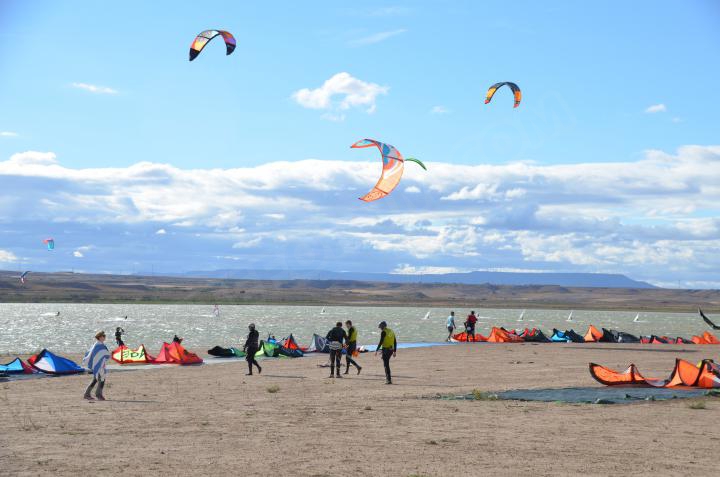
<point>393,165</point>
<point>515,89</point>
<point>22,277</point>
<point>50,243</point>
<point>204,37</point>
<point>707,320</point>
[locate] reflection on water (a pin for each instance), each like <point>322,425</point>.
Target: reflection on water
<point>26,328</point>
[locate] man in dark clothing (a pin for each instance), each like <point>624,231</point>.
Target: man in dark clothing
<point>388,345</point>
<point>470,326</point>
<point>351,347</point>
<point>118,336</point>
<point>336,337</point>
<point>250,348</point>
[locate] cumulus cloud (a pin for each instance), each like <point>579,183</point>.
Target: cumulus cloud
<point>8,134</point>
<point>94,88</point>
<point>656,219</point>
<point>78,254</point>
<point>407,269</point>
<point>161,232</point>
<point>656,108</point>
<point>439,110</point>
<point>340,93</point>
<point>7,256</point>
<point>377,37</point>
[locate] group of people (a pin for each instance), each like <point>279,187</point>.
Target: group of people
<point>469,325</point>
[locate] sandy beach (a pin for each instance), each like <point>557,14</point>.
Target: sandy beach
<point>213,419</point>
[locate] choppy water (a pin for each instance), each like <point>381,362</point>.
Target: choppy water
<point>26,328</point>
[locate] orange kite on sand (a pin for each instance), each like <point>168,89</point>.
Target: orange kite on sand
<point>705,375</point>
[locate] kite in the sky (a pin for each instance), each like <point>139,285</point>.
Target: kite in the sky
<point>393,165</point>
<point>515,89</point>
<point>50,243</point>
<point>22,277</point>
<point>203,38</point>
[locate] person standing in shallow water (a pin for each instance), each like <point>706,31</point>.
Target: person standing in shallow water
<point>95,360</point>
<point>470,326</point>
<point>351,347</point>
<point>251,347</point>
<point>450,325</point>
<point>388,346</point>
<point>336,337</point>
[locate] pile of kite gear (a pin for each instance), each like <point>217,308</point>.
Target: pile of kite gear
<point>49,363</point>
<point>706,374</point>
<point>170,353</point>
<point>593,335</point>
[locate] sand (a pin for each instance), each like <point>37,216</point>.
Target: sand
<point>214,420</point>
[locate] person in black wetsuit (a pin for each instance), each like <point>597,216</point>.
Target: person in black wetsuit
<point>336,337</point>
<point>118,336</point>
<point>177,339</point>
<point>251,347</point>
<point>388,346</point>
<point>351,347</point>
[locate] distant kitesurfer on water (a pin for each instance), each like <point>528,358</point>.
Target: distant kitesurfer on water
<point>118,336</point>
<point>351,346</point>
<point>335,338</point>
<point>450,325</point>
<point>251,347</point>
<point>57,314</point>
<point>388,346</point>
<point>470,326</point>
<point>95,361</point>
<point>177,339</point>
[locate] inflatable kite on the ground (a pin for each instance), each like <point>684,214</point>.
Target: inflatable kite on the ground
<point>204,38</point>
<point>175,353</point>
<point>707,320</point>
<point>125,355</point>
<point>22,277</point>
<point>515,89</point>
<point>50,243</point>
<point>220,352</point>
<point>49,363</point>
<point>705,375</point>
<point>706,338</point>
<point>392,171</point>
<point>16,366</point>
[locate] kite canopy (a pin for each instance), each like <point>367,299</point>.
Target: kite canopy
<point>318,345</point>
<point>515,89</point>
<point>175,353</point>
<point>705,375</point>
<point>125,355</point>
<point>16,366</point>
<point>707,320</point>
<point>49,363</point>
<point>204,37</point>
<point>50,243</point>
<point>393,166</point>
<point>220,352</point>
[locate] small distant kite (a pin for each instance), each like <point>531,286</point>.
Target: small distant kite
<point>515,89</point>
<point>22,277</point>
<point>393,166</point>
<point>203,38</point>
<point>50,243</point>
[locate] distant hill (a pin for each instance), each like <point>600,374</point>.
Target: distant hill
<point>585,280</point>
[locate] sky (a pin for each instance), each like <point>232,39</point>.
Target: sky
<point>134,159</point>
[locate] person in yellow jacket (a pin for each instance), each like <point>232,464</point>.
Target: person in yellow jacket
<point>388,346</point>
<point>351,347</point>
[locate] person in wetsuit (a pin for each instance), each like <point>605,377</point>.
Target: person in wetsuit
<point>177,339</point>
<point>250,348</point>
<point>335,338</point>
<point>351,347</point>
<point>470,326</point>
<point>118,336</point>
<point>388,346</point>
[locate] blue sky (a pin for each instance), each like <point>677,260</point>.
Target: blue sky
<point>614,90</point>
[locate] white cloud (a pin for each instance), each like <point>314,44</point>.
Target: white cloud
<point>250,243</point>
<point>94,88</point>
<point>6,256</point>
<point>412,190</point>
<point>8,134</point>
<point>656,108</point>
<point>377,37</point>
<point>78,254</point>
<point>340,93</point>
<point>439,110</point>
<point>275,216</point>
<point>407,269</point>
<point>161,232</point>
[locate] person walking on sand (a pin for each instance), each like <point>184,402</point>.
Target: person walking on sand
<point>335,338</point>
<point>351,347</point>
<point>450,325</point>
<point>470,326</point>
<point>118,336</point>
<point>388,346</point>
<point>251,347</point>
<point>95,360</point>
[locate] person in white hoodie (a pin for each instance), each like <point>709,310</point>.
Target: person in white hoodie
<point>95,360</point>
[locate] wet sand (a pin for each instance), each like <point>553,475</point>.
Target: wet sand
<point>215,420</point>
